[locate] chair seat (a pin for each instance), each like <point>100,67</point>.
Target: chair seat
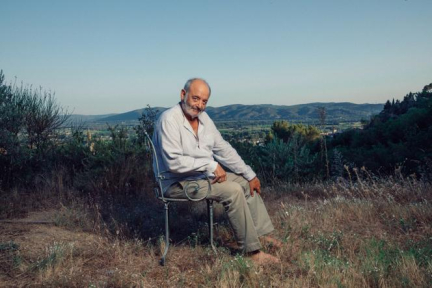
<point>167,199</point>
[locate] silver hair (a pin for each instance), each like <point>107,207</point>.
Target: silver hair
<point>189,83</point>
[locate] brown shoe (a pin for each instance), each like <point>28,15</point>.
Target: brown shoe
<point>261,258</point>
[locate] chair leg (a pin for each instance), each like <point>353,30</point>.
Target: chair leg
<point>162,261</point>
<point>210,219</point>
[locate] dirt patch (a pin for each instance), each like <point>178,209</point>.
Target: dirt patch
<point>26,243</point>
<point>39,217</point>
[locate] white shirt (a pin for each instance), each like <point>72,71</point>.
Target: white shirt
<point>182,155</point>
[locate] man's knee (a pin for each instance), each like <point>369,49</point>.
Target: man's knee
<point>237,189</point>
<point>231,191</point>
<point>240,180</point>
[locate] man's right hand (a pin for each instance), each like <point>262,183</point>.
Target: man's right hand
<point>220,175</point>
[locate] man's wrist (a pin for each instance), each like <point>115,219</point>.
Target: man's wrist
<point>211,167</point>
<point>249,175</point>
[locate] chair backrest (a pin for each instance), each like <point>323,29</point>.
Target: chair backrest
<point>158,176</point>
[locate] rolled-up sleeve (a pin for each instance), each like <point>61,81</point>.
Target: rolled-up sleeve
<point>228,156</point>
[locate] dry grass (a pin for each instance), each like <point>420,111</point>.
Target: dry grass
<point>368,233</point>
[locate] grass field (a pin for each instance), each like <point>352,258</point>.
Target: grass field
<point>369,233</point>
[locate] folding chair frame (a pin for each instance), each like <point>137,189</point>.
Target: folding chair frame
<point>159,195</point>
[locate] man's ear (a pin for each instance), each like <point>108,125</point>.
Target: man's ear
<point>182,94</point>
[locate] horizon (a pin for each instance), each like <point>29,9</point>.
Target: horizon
<point>167,107</point>
<point>105,57</point>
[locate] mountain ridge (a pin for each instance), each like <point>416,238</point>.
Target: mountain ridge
<point>342,111</point>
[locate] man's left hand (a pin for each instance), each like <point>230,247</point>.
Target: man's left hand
<point>220,174</point>
<point>255,184</point>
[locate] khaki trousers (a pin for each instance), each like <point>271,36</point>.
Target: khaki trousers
<point>247,215</point>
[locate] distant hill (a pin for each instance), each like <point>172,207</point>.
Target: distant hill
<point>303,112</point>
<point>128,116</point>
<point>88,118</point>
<point>343,111</point>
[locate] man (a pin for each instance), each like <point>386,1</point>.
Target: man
<point>189,146</point>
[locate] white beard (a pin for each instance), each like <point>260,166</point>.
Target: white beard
<point>189,110</point>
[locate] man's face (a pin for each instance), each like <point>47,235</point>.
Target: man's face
<point>194,102</point>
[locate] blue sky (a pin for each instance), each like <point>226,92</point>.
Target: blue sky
<point>114,56</point>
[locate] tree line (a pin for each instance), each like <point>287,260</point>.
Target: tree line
<point>397,139</point>
<point>30,146</point>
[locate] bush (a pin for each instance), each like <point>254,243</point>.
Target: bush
<point>29,120</point>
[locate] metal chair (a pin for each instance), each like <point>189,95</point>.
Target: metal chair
<point>191,186</point>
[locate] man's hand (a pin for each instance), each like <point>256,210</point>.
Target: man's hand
<point>220,175</point>
<point>255,184</point>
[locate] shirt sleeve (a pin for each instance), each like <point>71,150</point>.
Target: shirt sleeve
<point>225,154</point>
<point>172,152</point>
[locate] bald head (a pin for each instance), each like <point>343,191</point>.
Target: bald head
<point>196,82</point>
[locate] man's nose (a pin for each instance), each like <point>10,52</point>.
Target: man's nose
<point>201,105</point>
